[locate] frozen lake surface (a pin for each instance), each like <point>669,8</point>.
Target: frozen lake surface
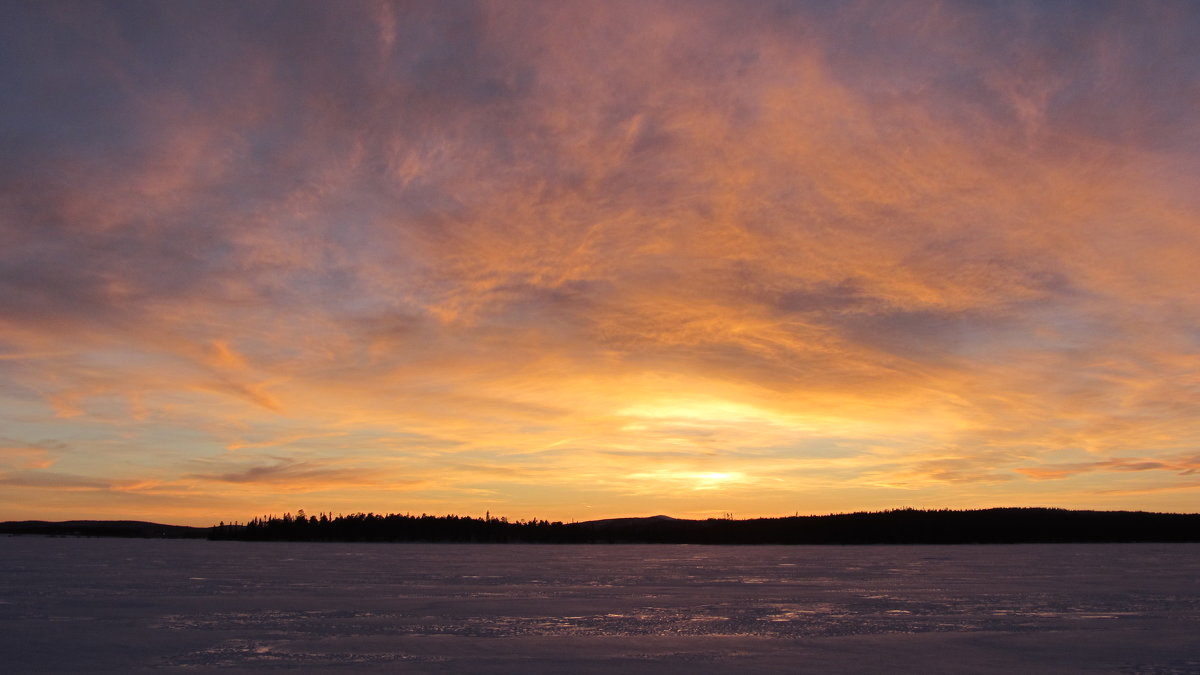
<point>112,605</point>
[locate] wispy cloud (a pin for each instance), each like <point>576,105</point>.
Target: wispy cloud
<point>955,243</point>
<point>307,476</point>
<point>1184,466</point>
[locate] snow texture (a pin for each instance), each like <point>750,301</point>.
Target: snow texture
<point>111,605</point>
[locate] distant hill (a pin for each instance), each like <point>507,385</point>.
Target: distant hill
<point>104,528</point>
<point>903,526</point>
<point>911,526</point>
<point>624,522</point>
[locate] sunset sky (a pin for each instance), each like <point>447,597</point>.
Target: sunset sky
<point>576,260</point>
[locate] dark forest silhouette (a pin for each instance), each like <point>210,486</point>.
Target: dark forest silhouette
<point>903,526</point>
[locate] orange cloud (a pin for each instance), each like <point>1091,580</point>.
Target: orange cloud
<point>785,257</point>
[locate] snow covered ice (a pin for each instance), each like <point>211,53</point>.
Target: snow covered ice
<point>112,605</point>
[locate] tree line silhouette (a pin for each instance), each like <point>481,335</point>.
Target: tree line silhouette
<point>902,526</point>
<point>394,527</point>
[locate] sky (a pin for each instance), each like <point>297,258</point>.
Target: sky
<point>576,260</point>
